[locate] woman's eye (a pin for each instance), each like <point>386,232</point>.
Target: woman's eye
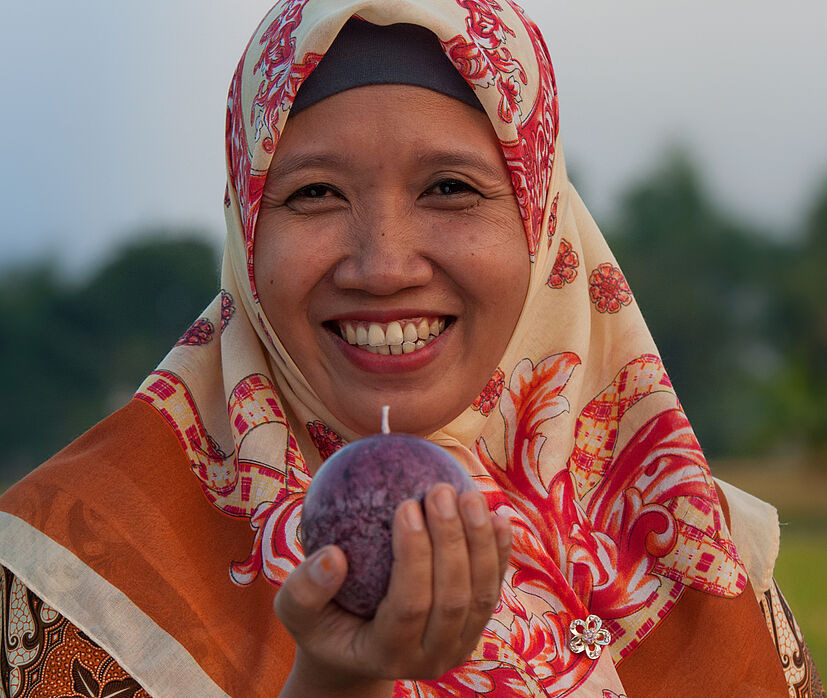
<point>312,191</point>
<point>315,198</point>
<point>451,195</point>
<point>451,187</point>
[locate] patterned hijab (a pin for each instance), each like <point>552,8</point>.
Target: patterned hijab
<point>578,437</point>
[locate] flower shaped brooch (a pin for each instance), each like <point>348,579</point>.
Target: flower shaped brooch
<point>589,636</point>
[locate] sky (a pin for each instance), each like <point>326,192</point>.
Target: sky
<point>113,112</point>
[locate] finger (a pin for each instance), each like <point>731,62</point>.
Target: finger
<point>503,535</point>
<point>484,559</point>
<point>452,574</point>
<point>403,614</point>
<point>309,588</point>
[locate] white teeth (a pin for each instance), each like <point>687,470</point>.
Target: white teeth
<point>350,334</point>
<point>376,337</point>
<point>361,335</point>
<point>393,335</point>
<point>397,337</point>
<point>410,334</point>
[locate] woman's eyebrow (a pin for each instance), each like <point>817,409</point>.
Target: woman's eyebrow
<point>460,158</point>
<point>300,161</point>
<point>427,158</point>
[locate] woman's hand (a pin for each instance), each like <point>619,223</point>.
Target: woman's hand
<point>445,583</point>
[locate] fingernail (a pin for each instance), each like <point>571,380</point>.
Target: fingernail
<point>475,510</point>
<point>321,570</point>
<point>446,503</point>
<point>413,516</point>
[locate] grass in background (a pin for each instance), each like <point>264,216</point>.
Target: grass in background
<point>801,573</point>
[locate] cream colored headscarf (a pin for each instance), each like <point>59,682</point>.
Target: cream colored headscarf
<point>578,437</point>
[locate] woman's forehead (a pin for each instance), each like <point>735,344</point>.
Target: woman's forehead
<point>430,127</point>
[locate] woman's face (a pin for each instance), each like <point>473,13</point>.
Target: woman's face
<point>390,256</point>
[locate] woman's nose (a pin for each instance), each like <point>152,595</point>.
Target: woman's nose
<point>385,257</point>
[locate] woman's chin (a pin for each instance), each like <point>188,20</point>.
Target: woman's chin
<point>410,416</point>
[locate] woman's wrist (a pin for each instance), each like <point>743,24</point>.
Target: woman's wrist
<point>309,679</point>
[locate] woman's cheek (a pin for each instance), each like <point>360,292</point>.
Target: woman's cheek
<point>493,246</point>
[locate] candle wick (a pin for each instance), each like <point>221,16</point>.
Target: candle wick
<point>385,425</point>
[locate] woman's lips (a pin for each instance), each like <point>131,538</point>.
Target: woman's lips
<point>391,347</point>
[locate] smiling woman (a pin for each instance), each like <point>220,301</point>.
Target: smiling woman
<point>400,231</point>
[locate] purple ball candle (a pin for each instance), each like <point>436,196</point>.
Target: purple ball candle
<point>352,500</point>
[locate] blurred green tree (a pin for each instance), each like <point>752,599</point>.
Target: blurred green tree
<point>800,316</point>
<point>72,352</point>
<point>705,284</point>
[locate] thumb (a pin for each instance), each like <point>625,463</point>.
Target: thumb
<point>309,588</point>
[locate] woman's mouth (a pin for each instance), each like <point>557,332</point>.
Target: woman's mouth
<point>405,336</point>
